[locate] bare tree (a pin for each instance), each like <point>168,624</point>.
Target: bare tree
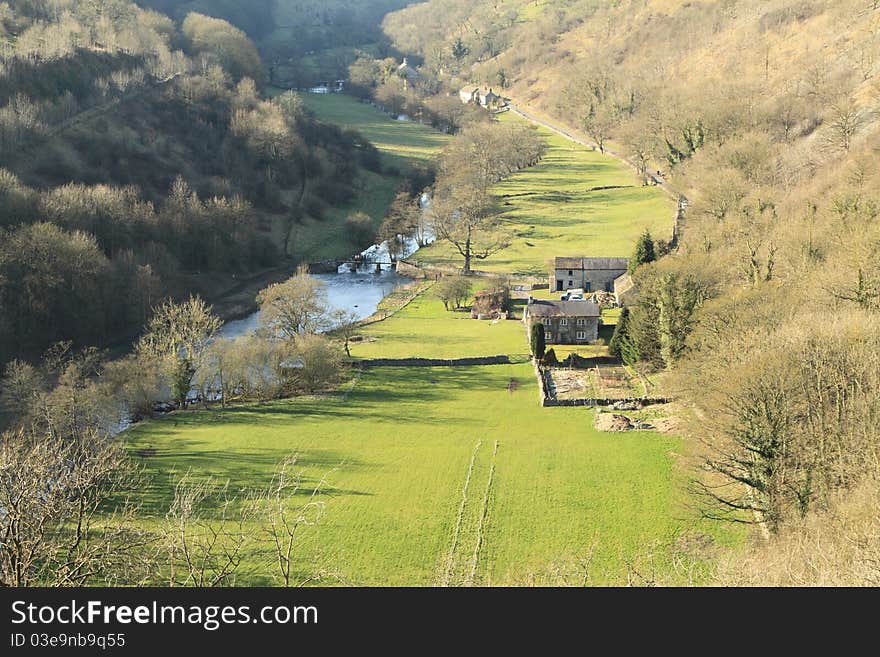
<point>865,292</point>
<point>286,519</point>
<point>65,519</point>
<point>180,334</point>
<point>599,123</point>
<point>345,326</point>
<point>294,307</point>
<point>847,119</point>
<point>465,218</point>
<point>207,533</point>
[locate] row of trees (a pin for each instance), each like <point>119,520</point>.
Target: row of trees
<point>463,209</point>
<point>289,354</point>
<point>105,257</point>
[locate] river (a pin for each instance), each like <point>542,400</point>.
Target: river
<point>359,291</point>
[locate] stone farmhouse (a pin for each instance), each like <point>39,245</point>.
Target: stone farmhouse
<point>479,96</point>
<point>587,274</point>
<point>565,322</point>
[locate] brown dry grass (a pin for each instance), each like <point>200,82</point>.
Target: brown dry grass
<point>838,547</point>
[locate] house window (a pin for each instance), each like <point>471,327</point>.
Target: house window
<point>571,272</point>
<point>582,322</point>
<point>563,322</point>
<point>546,321</point>
<point>581,335</point>
<point>571,284</point>
<point>548,337</point>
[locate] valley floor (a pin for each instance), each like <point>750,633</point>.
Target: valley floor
<point>544,491</point>
<point>456,475</point>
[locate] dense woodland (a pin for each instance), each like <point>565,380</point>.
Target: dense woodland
<point>302,42</point>
<point>765,115</point>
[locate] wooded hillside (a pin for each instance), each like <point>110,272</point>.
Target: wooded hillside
<point>147,151</point>
<point>303,42</point>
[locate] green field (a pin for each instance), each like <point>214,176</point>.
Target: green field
<point>425,329</point>
<point>556,208</point>
<point>398,450</point>
<point>402,143</point>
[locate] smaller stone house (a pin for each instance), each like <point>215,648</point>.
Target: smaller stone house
<point>489,98</point>
<point>489,304</point>
<point>565,322</point>
<point>587,274</point>
<point>482,96</point>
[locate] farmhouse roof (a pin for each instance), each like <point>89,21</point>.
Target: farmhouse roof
<point>406,70</point>
<point>569,263</point>
<point>592,264</point>
<point>623,283</point>
<point>606,263</point>
<point>540,308</point>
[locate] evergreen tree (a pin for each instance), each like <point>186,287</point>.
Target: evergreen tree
<point>622,344</point>
<point>644,252</point>
<point>538,341</point>
<point>460,50</point>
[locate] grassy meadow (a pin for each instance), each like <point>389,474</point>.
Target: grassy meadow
<point>425,329</point>
<point>396,453</point>
<point>401,143</point>
<point>574,202</point>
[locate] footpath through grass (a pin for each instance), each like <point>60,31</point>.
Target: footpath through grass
<point>398,451</point>
<point>575,202</point>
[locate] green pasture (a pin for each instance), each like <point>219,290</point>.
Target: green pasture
<point>396,453</point>
<point>575,202</point>
<point>401,143</point>
<point>425,329</point>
